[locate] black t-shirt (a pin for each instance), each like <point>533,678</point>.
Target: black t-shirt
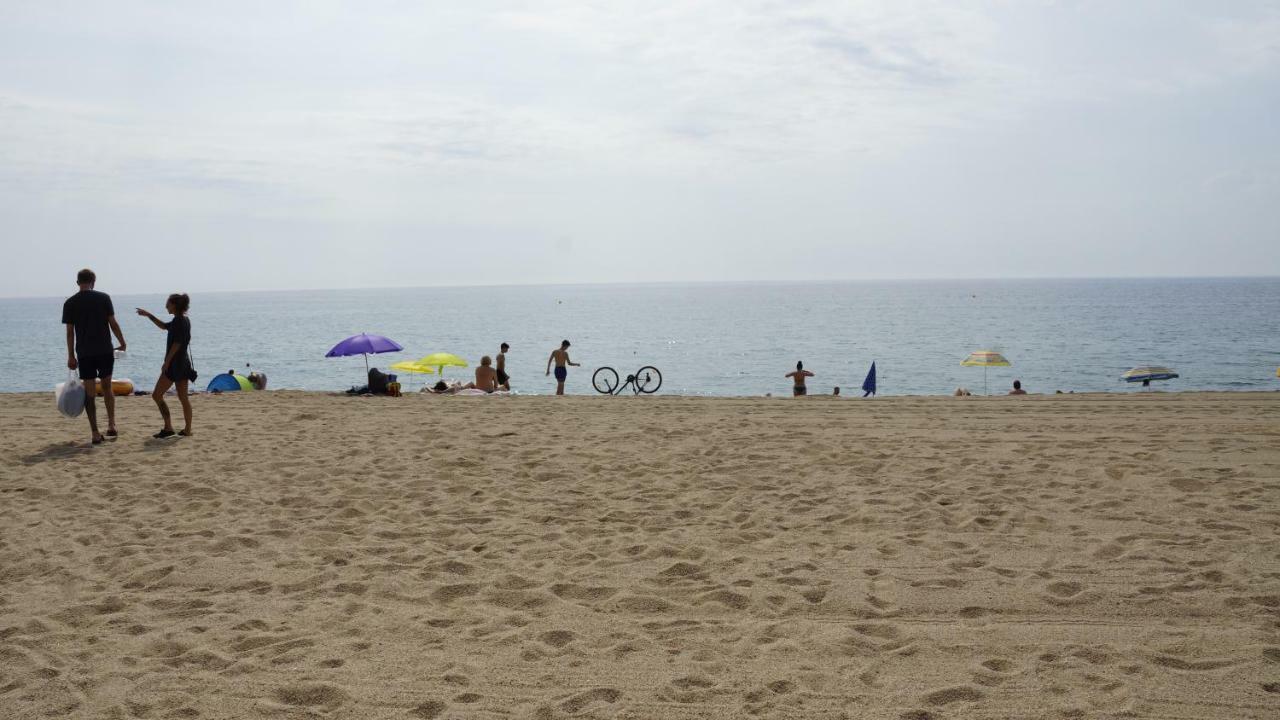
<point>179,334</point>
<point>89,311</point>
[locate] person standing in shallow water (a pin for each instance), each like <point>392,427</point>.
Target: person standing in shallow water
<point>504,380</point>
<point>91,319</point>
<point>561,359</point>
<point>176,370</point>
<point>798,377</point>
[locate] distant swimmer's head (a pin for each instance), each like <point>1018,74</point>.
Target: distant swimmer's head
<point>799,365</point>
<point>1017,384</point>
<point>178,303</point>
<point>504,347</point>
<point>836,391</point>
<point>485,361</point>
<point>564,344</point>
<point>86,278</point>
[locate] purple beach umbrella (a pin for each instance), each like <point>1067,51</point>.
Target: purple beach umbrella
<point>366,345</point>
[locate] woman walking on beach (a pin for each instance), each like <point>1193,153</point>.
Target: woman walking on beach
<point>176,370</point>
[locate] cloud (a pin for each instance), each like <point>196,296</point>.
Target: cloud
<point>720,128</point>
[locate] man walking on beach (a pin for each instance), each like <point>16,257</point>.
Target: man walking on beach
<point>561,359</point>
<point>504,380</point>
<point>90,320</point>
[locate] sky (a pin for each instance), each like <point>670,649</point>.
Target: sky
<point>248,145</point>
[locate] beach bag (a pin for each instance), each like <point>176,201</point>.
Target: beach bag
<point>70,395</point>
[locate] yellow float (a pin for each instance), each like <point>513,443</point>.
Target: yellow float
<point>119,386</point>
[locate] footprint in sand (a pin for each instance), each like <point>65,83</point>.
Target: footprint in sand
<point>312,695</point>
<point>429,710</point>
<point>959,693</point>
<point>579,702</point>
<point>557,638</point>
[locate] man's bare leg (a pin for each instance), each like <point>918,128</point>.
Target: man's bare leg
<point>91,409</point>
<point>109,399</point>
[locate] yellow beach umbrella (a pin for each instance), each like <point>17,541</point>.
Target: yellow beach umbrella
<point>985,359</point>
<point>412,366</point>
<point>440,360</point>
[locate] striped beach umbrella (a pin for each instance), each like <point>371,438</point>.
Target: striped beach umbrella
<point>985,359</point>
<point>1146,373</point>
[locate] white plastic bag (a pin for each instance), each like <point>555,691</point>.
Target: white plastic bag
<point>70,395</point>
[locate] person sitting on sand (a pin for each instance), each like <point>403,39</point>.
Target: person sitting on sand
<point>486,377</point>
<point>798,378</point>
<point>1017,388</point>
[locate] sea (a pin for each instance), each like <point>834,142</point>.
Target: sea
<point>718,339</point>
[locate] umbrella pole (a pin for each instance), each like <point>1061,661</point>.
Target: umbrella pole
<point>366,364</point>
<point>986,390</point>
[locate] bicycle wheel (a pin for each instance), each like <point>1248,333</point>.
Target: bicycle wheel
<point>605,380</point>
<point>648,379</point>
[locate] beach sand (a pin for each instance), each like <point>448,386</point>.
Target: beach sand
<point>308,555</point>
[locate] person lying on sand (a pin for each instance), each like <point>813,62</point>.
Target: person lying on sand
<point>441,388</point>
<point>798,376</point>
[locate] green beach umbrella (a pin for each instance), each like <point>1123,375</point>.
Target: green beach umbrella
<point>440,360</point>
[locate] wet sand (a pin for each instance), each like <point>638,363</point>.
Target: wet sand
<point>307,555</point>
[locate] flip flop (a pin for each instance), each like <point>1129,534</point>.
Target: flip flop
<point>164,434</point>
<point>184,433</point>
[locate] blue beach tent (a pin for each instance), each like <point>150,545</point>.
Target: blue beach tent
<point>227,382</point>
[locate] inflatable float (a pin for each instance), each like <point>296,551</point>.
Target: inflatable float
<point>229,382</point>
<point>119,386</point>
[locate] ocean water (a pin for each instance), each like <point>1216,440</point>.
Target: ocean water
<point>715,339</point>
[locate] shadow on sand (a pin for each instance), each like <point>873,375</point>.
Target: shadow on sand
<point>58,451</point>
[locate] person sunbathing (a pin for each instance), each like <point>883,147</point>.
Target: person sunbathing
<point>486,377</point>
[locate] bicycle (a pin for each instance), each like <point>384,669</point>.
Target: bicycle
<point>647,380</point>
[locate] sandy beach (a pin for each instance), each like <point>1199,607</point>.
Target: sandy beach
<point>308,555</point>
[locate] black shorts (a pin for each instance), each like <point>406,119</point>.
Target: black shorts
<point>503,377</point>
<point>95,366</point>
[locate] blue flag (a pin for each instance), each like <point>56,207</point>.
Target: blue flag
<point>869,385</point>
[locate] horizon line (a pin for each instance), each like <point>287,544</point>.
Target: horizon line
<point>830,281</point>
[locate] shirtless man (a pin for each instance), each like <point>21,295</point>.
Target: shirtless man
<point>486,376</point>
<point>1017,388</point>
<point>798,376</point>
<point>504,380</point>
<point>561,359</point>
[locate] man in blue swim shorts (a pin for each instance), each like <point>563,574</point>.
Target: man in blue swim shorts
<point>561,358</point>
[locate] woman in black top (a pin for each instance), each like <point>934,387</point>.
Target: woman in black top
<point>176,370</point>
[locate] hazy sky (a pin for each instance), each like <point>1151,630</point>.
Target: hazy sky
<point>201,146</point>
